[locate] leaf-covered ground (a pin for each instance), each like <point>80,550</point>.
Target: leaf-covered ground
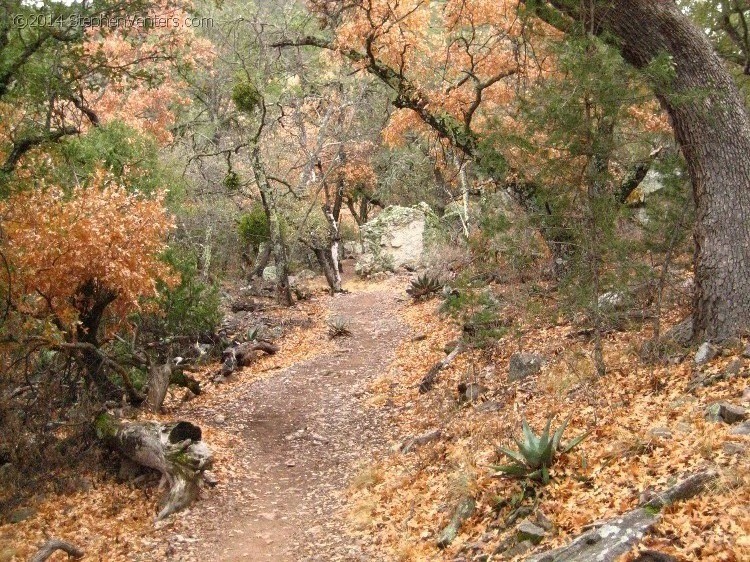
<point>647,428</point>
<point>326,474</point>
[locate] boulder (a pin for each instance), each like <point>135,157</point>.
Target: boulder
<point>394,239</point>
<point>523,365</point>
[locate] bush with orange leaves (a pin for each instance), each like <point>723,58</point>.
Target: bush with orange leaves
<point>57,244</point>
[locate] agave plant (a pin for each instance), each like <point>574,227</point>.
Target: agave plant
<point>338,328</point>
<point>535,455</point>
<point>424,287</point>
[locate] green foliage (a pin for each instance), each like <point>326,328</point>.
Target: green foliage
<point>191,307</point>
<point>479,314</point>
<point>424,287</point>
<point>128,155</point>
<point>232,181</point>
<point>246,96</point>
<point>536,454</point>
<point>253,227</point>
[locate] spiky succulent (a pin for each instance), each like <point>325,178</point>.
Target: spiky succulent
<point>424,287</point>
<point>535,455</point>
<point>338,328</point>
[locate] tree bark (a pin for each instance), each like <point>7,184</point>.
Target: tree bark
<point>712,126</point>
<point>278,246</point>
<point>261,260</point>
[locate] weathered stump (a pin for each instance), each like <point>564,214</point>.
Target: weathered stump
<point>175,450</point>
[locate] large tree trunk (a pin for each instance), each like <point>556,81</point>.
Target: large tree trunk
<point>712,126</point>
<point>278,246</point>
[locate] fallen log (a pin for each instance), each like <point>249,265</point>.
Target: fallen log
<point>174,449</point>
<point>52,545</point>
<point>415,442</point>
<point>431,377</point>
<point>610,539</point>
<point>236,357</point>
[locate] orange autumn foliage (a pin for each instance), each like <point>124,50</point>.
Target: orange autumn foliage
<point>55,243</point>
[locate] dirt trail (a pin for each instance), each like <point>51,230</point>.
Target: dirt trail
<point>304,431</point>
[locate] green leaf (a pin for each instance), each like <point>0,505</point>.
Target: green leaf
<point>518,457</point>
<point>575,442</point>
<point>557,438</point>
<point>531,439</point>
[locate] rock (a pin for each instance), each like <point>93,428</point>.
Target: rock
<point>523,365</point>
<point>746,395</point>
<point>681,333</point>
<point>705,353</point>
<point>543,521</point>
<point>606,542</point>
<point>660,432</point>
<point>489,406</point>
<point>734,448</point>
<point>746,352</point>
<point>612,300</point>
<point>470,392</point>
<point>269,273</point>
<point>21,514</point>
<point>220,419</point>
<point>352,249</point>
<point>519,549</point>
<point>529,531</point>
<point>726,412</point>
<point>210,478</point>
<point>741,429</point>
<point>734,368</point>
<point>394,239</point>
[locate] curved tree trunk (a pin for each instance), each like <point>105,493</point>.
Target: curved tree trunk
<point>712,126</point>
<point>278,246</point>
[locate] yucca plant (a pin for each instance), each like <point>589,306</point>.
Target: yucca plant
<point>338,328</point>
<point>535,455</point>
<point>423,287</point>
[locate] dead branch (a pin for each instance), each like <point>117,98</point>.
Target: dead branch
<point>48,548</point>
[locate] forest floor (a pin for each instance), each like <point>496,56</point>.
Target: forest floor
<point>309,465</point>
